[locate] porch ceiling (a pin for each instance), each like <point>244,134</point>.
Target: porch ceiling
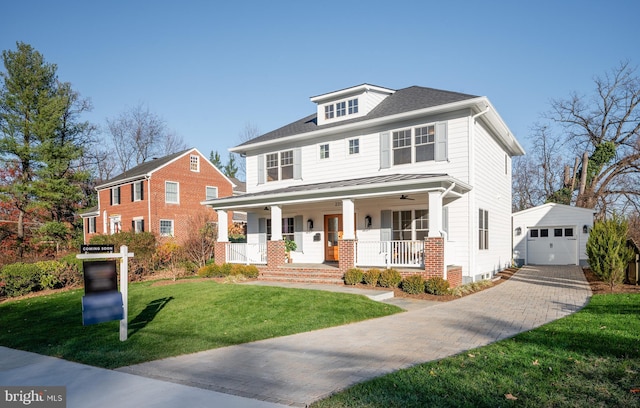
<point>368,187</point>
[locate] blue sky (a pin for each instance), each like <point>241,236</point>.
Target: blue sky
<point>208,68</point>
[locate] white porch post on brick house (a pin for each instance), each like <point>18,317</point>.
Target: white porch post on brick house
<point>223,226</point>
<point>435,214</point>
<point>348,219</point>
<point>435,223</point>
<point>276,223</point>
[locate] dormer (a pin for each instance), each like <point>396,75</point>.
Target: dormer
<point>349,103</point>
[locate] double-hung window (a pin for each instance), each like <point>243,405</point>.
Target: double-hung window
<point>324,151</point>
<point>138,194</point>
<point>425,142</point>
<point>91,225</point>
<point>166,228</point>
<point>211,193</point>
<point>138,224</point>
<point>115,196</point>
<point>354,146</point>
<point>171,192</point>
<point>288,231</point>
<point>280,166</point>
<point>410,225</point>
<point>328,112</point>
<point>402,146</point>
<point>341,109</point>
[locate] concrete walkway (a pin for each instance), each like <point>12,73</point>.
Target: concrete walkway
<point>300,369</point>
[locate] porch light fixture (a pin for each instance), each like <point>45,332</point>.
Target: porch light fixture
<point>585,229</point>
<point>367,221</point>
<point>310,224</point>
<point>518,231</point>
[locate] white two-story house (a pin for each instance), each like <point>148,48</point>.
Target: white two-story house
<point>417,179</point>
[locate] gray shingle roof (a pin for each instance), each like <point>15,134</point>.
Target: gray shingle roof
<point>403,100</point>
<point>144,168</point>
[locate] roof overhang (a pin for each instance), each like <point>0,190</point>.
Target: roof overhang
<point>477,105</point>
<point>364,188</point>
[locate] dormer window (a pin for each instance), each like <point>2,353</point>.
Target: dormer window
<point>353,106</point>
<point>341,109</point>
<point>328,112</point>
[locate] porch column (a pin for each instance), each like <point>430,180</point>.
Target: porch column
<point>223,226</point>
<point>348,221</point>
<point>276,223</point>
<point>435,213</point>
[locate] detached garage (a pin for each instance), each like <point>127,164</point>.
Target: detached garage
<point>551,234</point>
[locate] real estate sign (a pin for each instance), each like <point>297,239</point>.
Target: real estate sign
<point>102,302</point>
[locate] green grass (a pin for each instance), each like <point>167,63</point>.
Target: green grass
<point>175,319</point>
<point>589,359</point>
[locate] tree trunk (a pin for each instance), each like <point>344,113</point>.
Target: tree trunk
<point>20,235</point>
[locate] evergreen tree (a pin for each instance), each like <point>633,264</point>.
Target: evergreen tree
<point>214,158</point>
<point>607,250</point>
<point>231,169</point>
<point>40,137</point>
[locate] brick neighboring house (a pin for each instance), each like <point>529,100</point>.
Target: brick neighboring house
<point>159,196</point>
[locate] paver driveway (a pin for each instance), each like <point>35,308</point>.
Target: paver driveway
<point>302,368</point>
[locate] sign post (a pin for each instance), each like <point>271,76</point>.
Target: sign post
<point>102,300</point>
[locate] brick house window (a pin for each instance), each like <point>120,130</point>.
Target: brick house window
<point>166,228</point>
<point>211,193</point>
<point>137,225</point>
<point>91,225</point>
<point>194,163</point>
<point>115,196</point>
<point>137,191</point>
<point>171,192</point>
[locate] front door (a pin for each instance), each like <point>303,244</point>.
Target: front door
<point>332,232</point>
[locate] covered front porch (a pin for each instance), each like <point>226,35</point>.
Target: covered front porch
<point>396,221</point>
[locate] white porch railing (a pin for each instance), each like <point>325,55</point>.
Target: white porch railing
<point>246,253</point>
<point>390,253</point>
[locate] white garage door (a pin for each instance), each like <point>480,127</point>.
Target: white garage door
<point>552,246</point>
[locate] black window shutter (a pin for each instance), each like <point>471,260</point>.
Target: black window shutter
<point>133,226</point>
<point>142,190</point>
<point>132,188</point>
<point>111,197</point>
<point>141,225</point>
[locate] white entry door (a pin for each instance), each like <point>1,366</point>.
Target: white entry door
<point>552,246</point>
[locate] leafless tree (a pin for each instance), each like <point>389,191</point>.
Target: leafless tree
<point>172,143</point>
<point>137,135</point>
<point>249,132</point>
<point>200,245</point>
<point>606,126</point>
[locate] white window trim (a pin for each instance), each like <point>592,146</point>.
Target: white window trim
<point>135,223</point>
<point>197,162</point>
<point>135,191</point>
<point>349,146</point>
<point>172,233</point>
<point>91,228</point>
<point>412,145</point>
<point>206,189</point>
<point>177,192</point>
<point>328,152</point>
<point>113,196</point>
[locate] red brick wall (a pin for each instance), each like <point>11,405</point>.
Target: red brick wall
<point>192,190</point>
<point>347,254</point>
<point>454,276</point>
<point>433,257</point>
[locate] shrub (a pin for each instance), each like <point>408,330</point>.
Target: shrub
<point>390,278</point>
<point>413,284</point>
<point>251,271</point>
<point>50,272</point>
<point>470,288</point>
<point>371,277</point>
<point>607,250</point>
<point>437,286</point>
<point>20,279</point>
<point>353,276</point>
<point>206,271</point>
<point>142,244</point>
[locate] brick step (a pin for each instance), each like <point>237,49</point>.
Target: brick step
<point>300,276</point>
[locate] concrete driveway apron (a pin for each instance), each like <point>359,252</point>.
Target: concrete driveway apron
<point>300,369</point>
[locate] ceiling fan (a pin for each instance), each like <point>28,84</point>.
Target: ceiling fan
<point>406,197</point>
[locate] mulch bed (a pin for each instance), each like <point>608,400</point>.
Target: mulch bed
<point>600,287</point>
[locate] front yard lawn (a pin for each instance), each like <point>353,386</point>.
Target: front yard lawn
<point>175,319</point>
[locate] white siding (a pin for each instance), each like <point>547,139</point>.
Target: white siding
<point>551,215</point>
<point>492,192</point>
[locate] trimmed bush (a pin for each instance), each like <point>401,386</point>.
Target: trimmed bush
<point>20,278</point>
<point>437,286</point>
<point>353,276</point>
<point>206,271</point>
<point>227,269</point>
<point>390,278</point>
<point>413,284</point>
<point>371,277</point>
<point>251,271</point>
